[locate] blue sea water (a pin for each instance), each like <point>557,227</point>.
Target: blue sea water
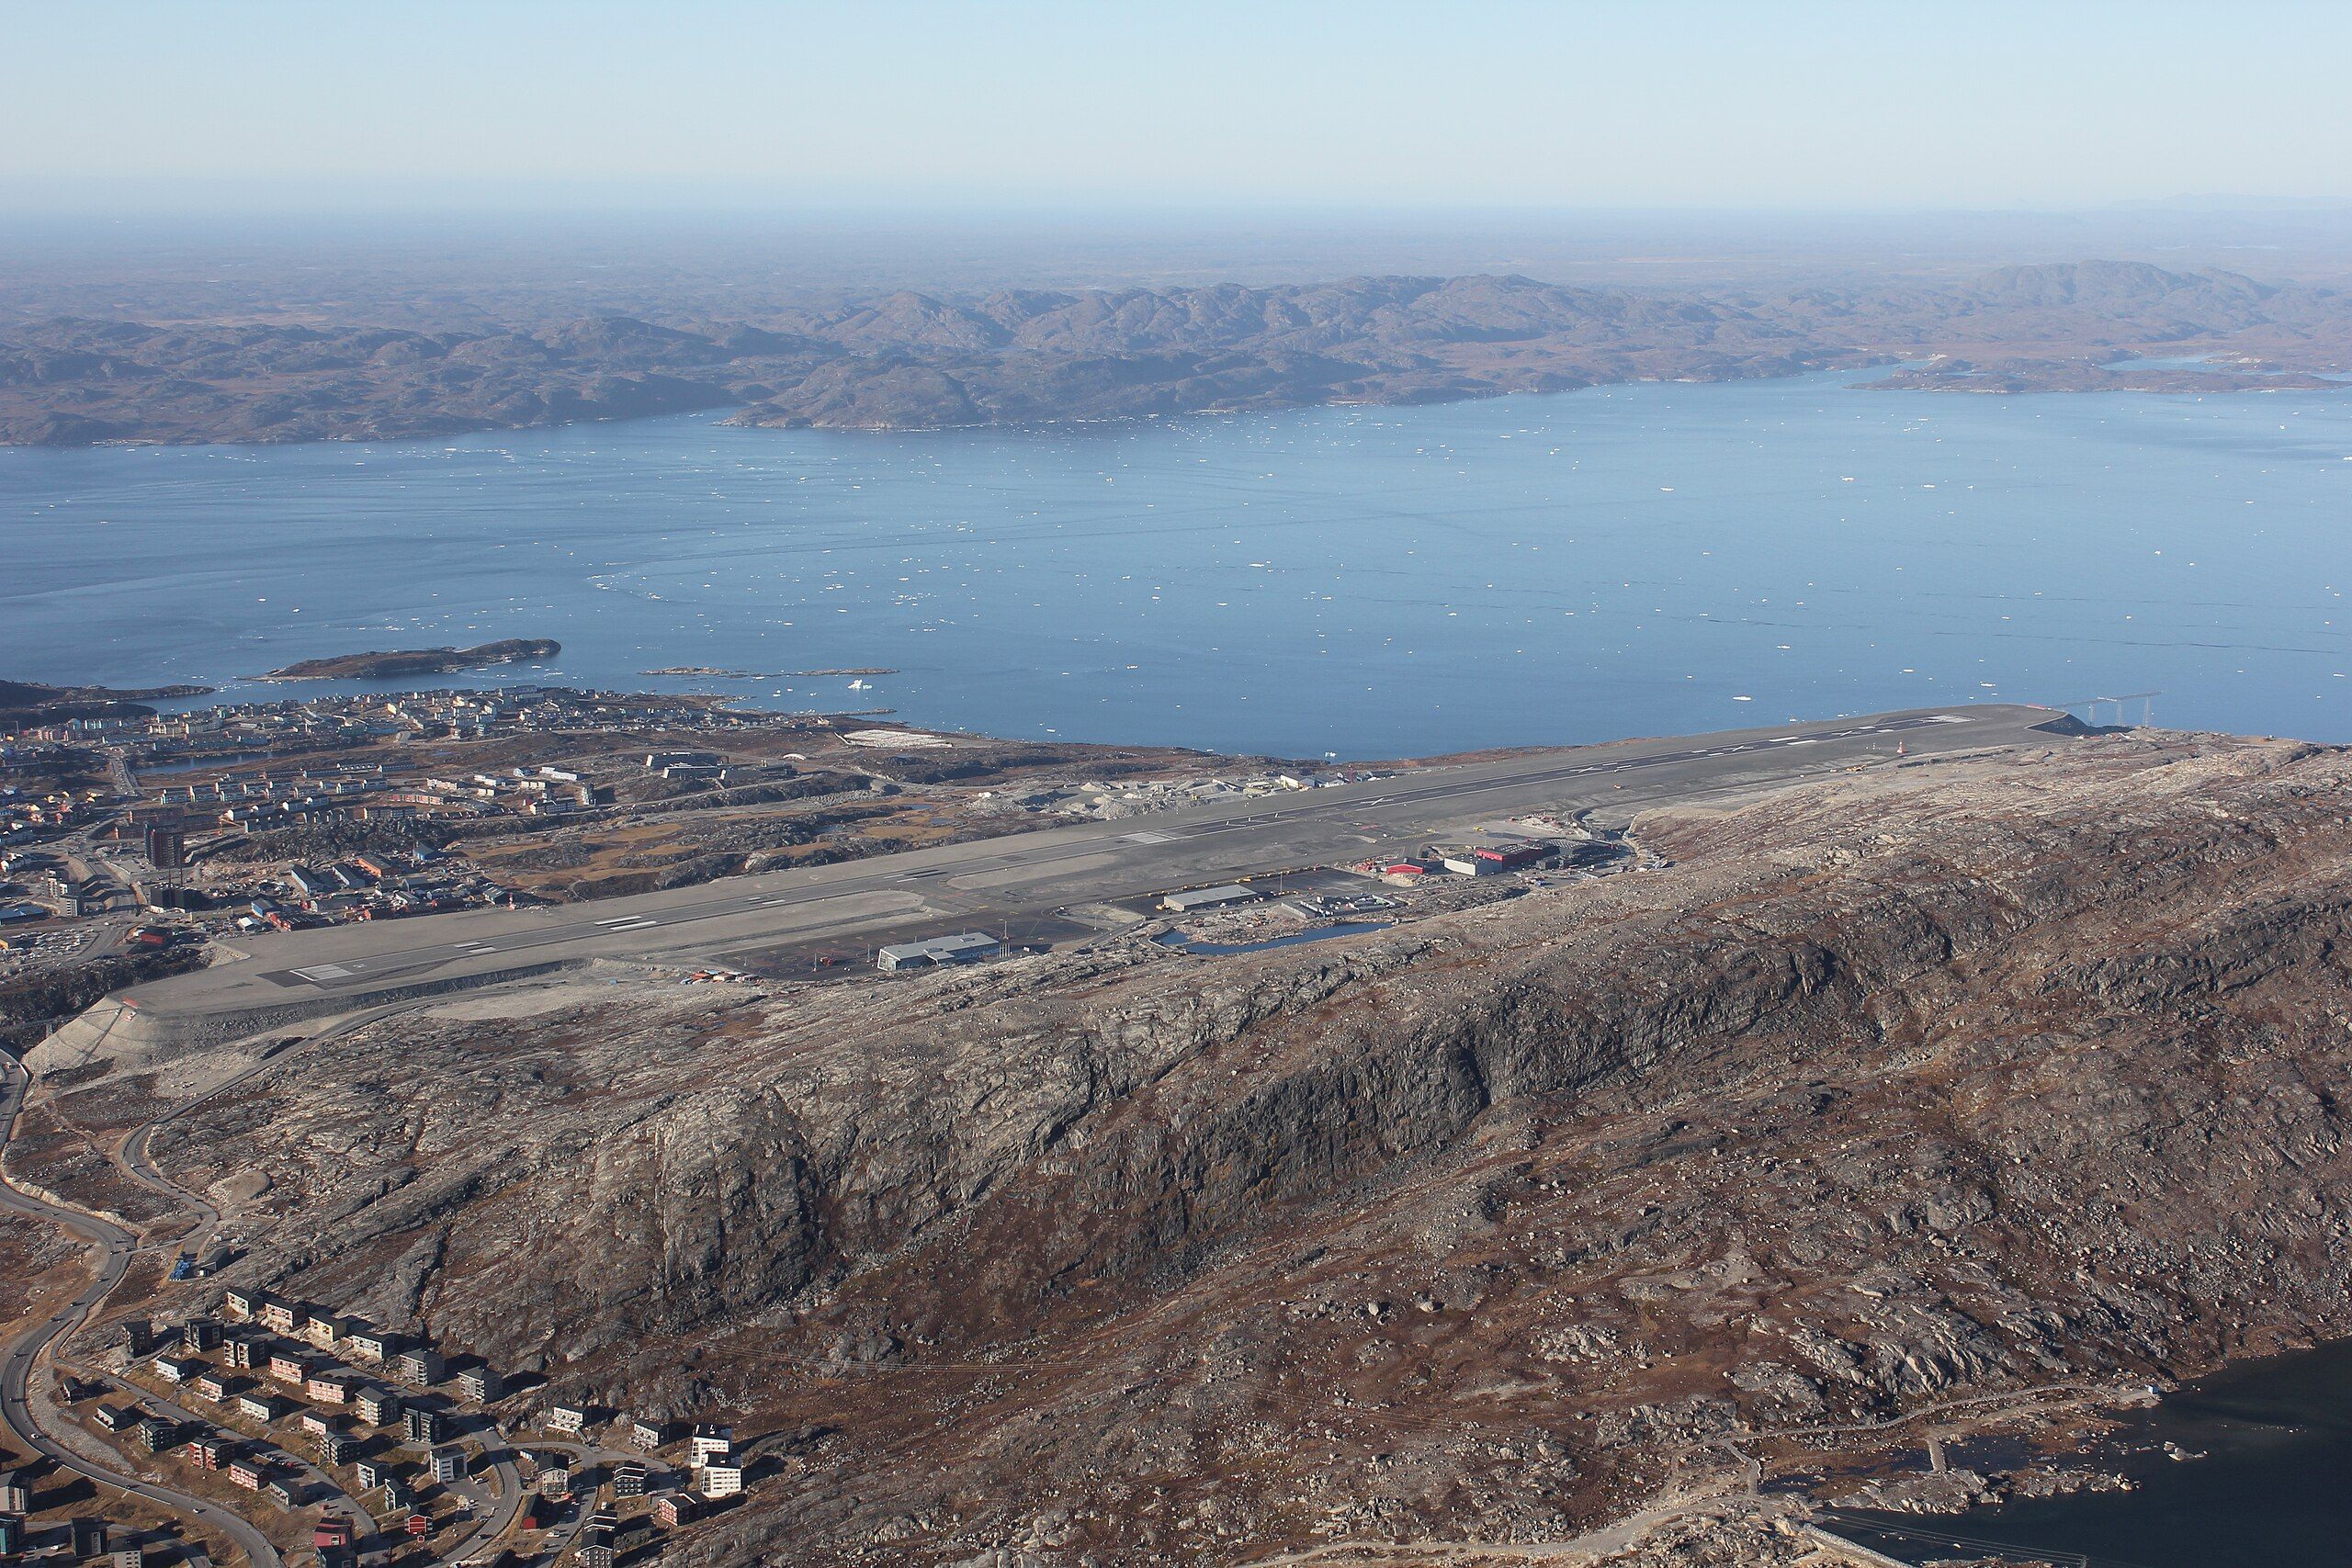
<point>2267,1445</point>
<point>1628,560</point>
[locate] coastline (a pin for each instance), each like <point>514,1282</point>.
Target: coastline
<point>908,361</point>
<point>2068,377</point>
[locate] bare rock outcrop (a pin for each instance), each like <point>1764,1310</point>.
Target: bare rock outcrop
<point>1972,1078</point>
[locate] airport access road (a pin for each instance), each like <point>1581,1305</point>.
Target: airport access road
<point>981,883</point>
<point>114,1245</point>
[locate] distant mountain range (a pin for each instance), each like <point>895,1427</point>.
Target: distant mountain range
<point>908,359</point>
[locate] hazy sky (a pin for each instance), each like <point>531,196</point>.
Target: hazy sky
<point>1890,104</point>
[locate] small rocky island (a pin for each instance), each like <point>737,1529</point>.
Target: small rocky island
<point>417,662</point>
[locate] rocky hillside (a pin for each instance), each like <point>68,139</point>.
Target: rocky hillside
<point>911,359</point>
<point>1968,1078</point>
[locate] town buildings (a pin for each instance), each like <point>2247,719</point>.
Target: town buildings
<point>418,1364</point>
<point>311,1381</point>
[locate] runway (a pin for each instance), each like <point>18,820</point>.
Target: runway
<point>1024,876</point>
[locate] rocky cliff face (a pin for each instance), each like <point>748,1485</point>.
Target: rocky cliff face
<point>1968,1078</point>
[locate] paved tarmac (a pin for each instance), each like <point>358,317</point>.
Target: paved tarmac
<point>988,884</point>
<point>1019,877</point>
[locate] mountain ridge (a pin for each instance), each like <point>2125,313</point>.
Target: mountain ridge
<point>1954,1080</point>
<point>909,359</point>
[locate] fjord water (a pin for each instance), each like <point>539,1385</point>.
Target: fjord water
<point>2272,1444</point>
<point>1630,560</point>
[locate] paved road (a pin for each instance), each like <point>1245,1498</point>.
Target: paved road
<point>133,1159</point>
<point>315,1478</point>
<point>502,1510</point>
<point>978,883</point>
<point>118,1244</point>
<point>985,883</point>
<point>115,1246</point>
<point>559,1540</point>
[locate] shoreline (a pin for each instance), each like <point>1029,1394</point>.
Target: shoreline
<point>908,361</point>
<point>2062,379</point>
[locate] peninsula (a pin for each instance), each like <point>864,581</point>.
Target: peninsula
<point>31,702</point>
